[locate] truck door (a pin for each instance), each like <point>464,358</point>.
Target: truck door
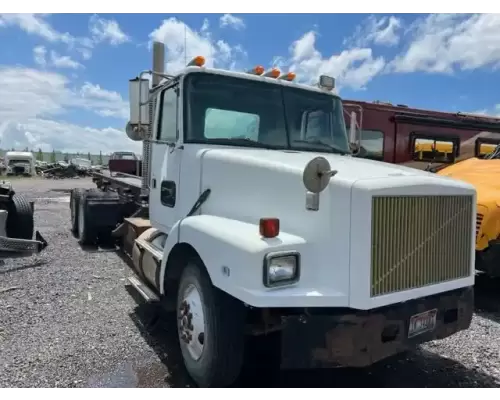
<point>165,162</point>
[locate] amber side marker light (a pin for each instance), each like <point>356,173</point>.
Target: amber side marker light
<point>269,227</point>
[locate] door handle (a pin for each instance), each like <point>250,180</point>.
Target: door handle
<point>153,183</point>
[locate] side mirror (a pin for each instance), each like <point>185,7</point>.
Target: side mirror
<point>435,150</point>
<point>138,94</point>
<point>354,140</point>
<point>139,108</point>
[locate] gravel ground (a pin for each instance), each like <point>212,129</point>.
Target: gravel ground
<point>69,321</point>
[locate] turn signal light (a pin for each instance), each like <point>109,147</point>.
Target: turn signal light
<point>269,227</point>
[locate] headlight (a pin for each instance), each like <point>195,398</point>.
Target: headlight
<point>282,268</point>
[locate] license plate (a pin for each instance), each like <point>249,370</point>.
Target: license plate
<point>423,322</point>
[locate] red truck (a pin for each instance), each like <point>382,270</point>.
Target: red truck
<point>393,133</point>
<point>125,162</point>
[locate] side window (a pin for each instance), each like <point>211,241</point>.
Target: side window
<point>168,116</point>
<point>226,124</point>
<point>434,148</point>
<point>372,142</point>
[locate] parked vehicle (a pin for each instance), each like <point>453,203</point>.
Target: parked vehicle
<point>124,162</point>
<point>270,228</point>
<point>20,163</point>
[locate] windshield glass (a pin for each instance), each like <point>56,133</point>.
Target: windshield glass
<point>14,161</point>
<point>240,112</point>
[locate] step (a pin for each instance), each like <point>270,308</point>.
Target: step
<point>146,293</point>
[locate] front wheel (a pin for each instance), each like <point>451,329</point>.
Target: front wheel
<point>211,329</point>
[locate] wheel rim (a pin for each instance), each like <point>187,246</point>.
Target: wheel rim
<point>192,322</point>
<point>80,221</point>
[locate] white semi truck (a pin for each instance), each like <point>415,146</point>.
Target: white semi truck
<point>253,218</point>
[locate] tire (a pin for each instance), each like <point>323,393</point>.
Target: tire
<point>86,231</point>
<point>74,204</point>
<point>222,354</point>
<point>20,220</point>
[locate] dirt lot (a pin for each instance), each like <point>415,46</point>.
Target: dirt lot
<point>67,320</point>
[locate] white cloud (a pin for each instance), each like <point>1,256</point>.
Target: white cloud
<point>59,61</point>
<point>229,20</point>
<point>39,54</point>
<point>352,68</point>
<point>103,102</point>
<point>176,35</point>
<point>443,43</point>
<point>35,24</point>
<point>31,100</point>
<point>383,31</point>
<point>101,30</point>
<point>55,60</point>
<point>62,136</point>
<point>491,112</point>
<point>85,52</point>
<point>107,30</point>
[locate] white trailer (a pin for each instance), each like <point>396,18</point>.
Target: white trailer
<point>253,218</point>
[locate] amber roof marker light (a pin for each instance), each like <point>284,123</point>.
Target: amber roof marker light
<point>290,76</point>
<point>273,73</point>
<point>198,61</point>
<point>257,70</point>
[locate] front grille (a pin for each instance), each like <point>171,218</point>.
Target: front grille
<point>479,221</point>
<point>419,241</point>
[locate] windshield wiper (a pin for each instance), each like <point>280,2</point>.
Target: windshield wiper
<point>334,149</point>
<point>241,141</point>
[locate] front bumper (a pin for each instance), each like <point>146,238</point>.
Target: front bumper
<point>361,338</point>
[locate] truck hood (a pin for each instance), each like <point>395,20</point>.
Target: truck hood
<point>274,185</point>
<point>482,174</point>
<point>349,168</point>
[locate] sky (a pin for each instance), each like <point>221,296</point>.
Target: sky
<point>64,77</point>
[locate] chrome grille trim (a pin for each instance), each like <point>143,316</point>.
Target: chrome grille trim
<point>419,241</point>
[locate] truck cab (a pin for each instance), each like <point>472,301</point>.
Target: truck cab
<point>255,220</point>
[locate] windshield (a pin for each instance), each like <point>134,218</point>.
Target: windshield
<point>240,112</point>
<point>14,161</point>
